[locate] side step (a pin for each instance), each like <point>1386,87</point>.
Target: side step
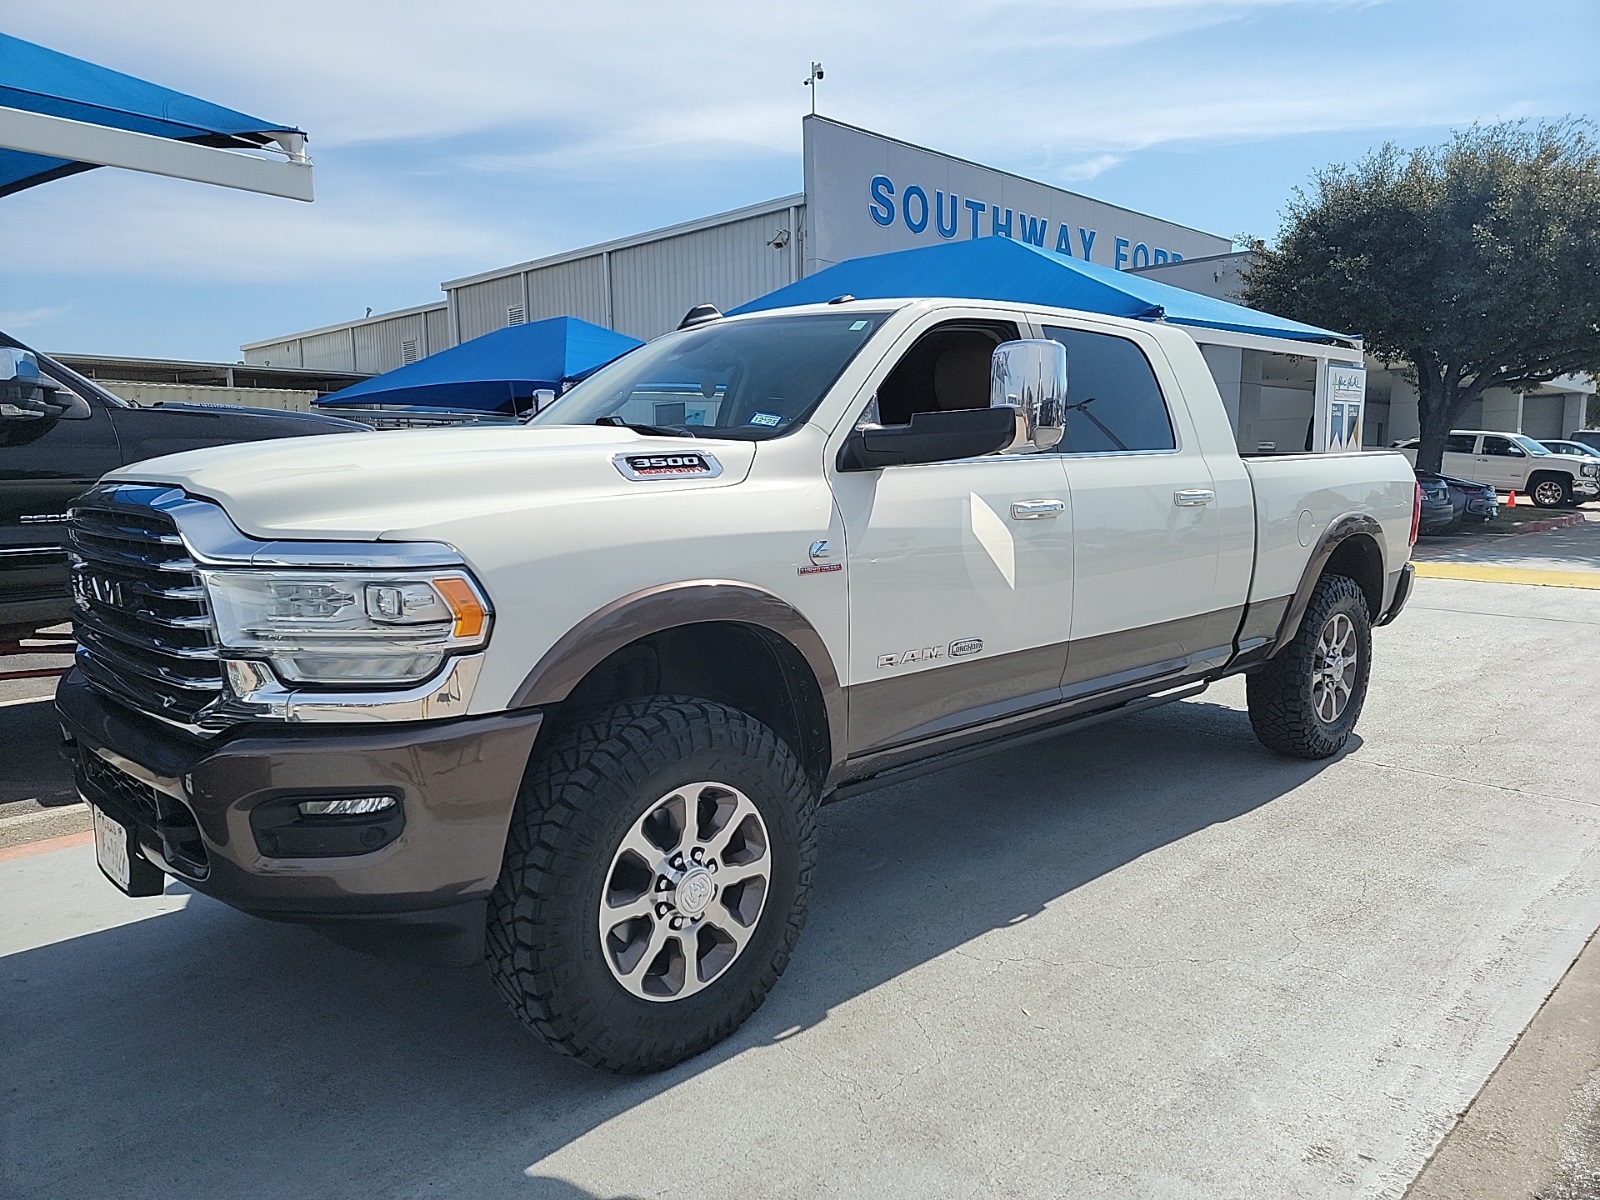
<point>951,758</point>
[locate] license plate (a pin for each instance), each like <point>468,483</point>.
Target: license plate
<point>111,850</point>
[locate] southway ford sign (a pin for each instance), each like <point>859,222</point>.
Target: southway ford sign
<point>867,194</point>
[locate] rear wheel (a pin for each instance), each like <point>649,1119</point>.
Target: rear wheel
<point>656,877</point>
<point>1551,491</point>
<point>1305,702</point>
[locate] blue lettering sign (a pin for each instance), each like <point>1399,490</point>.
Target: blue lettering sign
<point>920,222</point>
<point>1086,236</point>
<point>1121,255</point>
<point>882,209</point>
<point>1160,255</point>
<point>1064,240</point>
<point>975,207</point>
<point>1176,257</point>
<point>1141,251</point>
<point>945,231</point>
<point>1032,228</point>
<point>997,229</point>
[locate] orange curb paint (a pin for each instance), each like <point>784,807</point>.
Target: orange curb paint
<point>64,842</point>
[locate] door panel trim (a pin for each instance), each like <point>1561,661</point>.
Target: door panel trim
<point>898,712</point>
<point>906,708</point>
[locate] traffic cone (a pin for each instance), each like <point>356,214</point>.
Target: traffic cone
<point>1511,500</point>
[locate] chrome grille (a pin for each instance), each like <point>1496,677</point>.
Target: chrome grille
<point>144,629</point>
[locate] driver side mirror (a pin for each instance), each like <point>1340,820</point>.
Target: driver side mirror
<point>21,386</point>
<point>1030,376</point>
<point>27,394</point>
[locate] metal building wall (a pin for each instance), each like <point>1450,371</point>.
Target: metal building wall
<point>333,350</point>
<point>379,344</point>
<point>654,283</point>
<point>481,307</point>
<point>436,327</point>
<point>278,354</point>
<point>569,289</point>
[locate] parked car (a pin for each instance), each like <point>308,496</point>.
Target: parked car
<point>1473,502</point>
<point>59,432</point>
<point>571,692</point>
<point>1574,448</point>
<point>1438,512</point>
<point>1515,463</point>
<point>1589,437</point>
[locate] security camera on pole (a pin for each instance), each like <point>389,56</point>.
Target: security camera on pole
<point>811,82</point>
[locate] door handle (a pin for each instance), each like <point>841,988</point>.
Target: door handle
<point>1037,510</point>
<point>1193,497</point>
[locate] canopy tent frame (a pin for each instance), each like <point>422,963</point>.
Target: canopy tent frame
<point>82,142</point>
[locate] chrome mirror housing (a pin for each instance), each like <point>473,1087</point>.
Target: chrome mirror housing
<point>21,386</point>
<point>1030,376</point>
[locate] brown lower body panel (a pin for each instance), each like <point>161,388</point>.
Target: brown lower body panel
<point>456,783</point>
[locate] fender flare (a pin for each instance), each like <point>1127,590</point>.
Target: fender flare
<point>1338,531</point>
<point>669,606</point>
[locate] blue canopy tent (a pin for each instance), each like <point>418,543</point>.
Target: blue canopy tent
<point>495,371</point>
<point>60,115</point>
<point>1001,268</point>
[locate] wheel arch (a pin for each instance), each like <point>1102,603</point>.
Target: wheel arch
<point>745,646</point>
<point>1352,546</point>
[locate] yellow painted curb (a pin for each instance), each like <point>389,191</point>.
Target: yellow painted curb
<point>1481,574</point>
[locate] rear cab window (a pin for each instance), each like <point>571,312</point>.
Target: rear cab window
<point>1114,403</point>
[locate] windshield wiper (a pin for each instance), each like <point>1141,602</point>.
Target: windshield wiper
<point>654,430</point>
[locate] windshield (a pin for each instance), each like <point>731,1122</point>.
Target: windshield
<point>1531,446</point>
<point>749,379</point>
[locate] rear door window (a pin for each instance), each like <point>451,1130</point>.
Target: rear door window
<point>1114,403</point>
<point>1460,443</point>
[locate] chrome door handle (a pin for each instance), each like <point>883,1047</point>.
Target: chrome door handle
<point>1193,497</point>
<point>1037,510</point>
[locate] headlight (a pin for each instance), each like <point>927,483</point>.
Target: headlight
<point>1591,469</point>
<point>324,627</point>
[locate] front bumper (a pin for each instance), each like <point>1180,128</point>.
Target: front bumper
<point>209,814</point>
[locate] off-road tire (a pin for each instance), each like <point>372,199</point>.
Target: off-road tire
<point>1545,498</point>
<point>580,795</point>
<point>1279,695</point>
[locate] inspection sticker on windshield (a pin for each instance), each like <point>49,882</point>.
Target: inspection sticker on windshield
<point>766,419</point>
<point>667,466</point>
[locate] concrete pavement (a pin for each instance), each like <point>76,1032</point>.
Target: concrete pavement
<point>1148,959</point>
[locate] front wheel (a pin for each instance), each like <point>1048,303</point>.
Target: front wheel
<point>1550,491</point>
<point>656,877</point>
<point>1306,700</point>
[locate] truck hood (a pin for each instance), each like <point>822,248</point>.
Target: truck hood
<point>364,487</point>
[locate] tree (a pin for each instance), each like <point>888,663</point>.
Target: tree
<point>1476,264</point>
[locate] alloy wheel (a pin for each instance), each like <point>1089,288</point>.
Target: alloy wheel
<point>685,891</point>
<point>1333,668</point>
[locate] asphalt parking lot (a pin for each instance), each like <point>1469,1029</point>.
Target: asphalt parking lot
<point>1147,959</point>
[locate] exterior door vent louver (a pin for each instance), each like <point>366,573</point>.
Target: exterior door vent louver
<point>516,315</point>
<point>409,351</point>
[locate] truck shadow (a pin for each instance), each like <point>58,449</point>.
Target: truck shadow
<point>203,1052</point>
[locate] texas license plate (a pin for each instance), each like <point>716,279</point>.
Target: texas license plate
<point>111,849</point>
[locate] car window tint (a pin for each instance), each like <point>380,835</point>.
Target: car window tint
<point>1113,400</point>
<point>1459,443</point>
<point>1502,448</point>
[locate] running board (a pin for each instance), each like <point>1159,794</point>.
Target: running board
<point>951,758</point>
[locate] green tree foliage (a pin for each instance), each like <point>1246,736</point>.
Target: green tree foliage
<point>1476,264</point>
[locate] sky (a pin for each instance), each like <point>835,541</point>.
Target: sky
<point>455,138</point>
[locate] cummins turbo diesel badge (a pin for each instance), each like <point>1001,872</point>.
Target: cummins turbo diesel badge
<point>667,466</point>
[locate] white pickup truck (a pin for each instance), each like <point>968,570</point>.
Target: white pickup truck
<point>575,690</point>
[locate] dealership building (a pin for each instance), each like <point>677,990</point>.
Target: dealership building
<point>868,194</point>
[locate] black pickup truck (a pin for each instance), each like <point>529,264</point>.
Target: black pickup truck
<point>59,433</point>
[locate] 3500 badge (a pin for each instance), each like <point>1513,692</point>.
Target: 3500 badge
<point>667,466</point>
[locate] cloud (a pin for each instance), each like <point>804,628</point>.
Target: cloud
<point>117,223</point>
<point>32,318</point>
